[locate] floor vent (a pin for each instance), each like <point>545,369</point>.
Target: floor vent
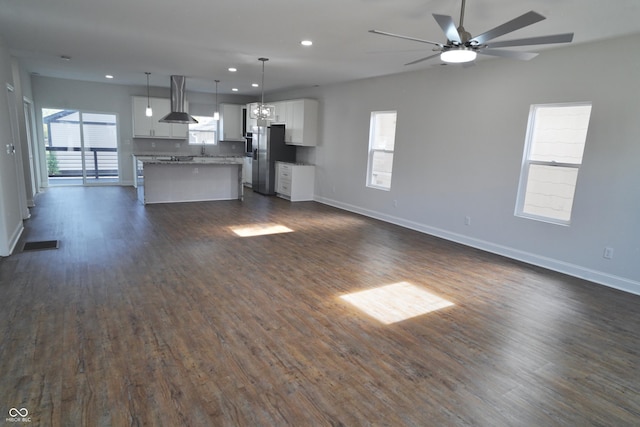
<point>41,245</point>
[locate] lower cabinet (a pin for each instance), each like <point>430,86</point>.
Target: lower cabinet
<point>247,172</point>
<point>295,182</point>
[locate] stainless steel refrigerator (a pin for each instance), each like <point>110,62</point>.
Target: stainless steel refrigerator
<point>268,148</point>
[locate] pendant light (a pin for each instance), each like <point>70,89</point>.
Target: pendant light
<point>216,114</point>
<point>148,111</point>
<point>263,112</point>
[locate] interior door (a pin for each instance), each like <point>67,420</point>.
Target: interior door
<point>10,217</point>
<point>14,150</point>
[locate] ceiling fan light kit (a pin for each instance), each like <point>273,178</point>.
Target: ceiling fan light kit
<point>458,55</point>
<point>462,47</point>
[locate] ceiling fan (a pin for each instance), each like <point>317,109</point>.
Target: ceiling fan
<point>461,47</point>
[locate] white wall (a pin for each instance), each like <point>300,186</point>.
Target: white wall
<point>10,197</point>
<point>459,145</point>
<point>114,98</point>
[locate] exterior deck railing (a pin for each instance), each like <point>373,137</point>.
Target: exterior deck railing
<point>67,161</point>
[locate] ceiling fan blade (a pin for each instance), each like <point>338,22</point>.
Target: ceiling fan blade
<point>393,51</point>
<point>556,38</point>
<point>513,25</point>
<point>422,59</point>
<point>383,33</point>
<point>449,27</point>
<point>511,54</point>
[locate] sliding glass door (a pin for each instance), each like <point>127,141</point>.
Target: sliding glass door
<point>81,147</point>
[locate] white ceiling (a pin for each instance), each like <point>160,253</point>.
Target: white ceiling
<point>200,39</point>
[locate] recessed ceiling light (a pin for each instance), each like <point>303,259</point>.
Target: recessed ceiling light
<point>255,85</point>
<point>306,42</point>
<point>235,89</point>
<point>108,76</point>
<point>232,69</point>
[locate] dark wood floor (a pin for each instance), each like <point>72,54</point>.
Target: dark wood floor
<point>161,315</point>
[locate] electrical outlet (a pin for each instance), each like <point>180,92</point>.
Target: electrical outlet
<point>195,170</point>
<point>177,145</point>
<point>467,220</point>
<point>608,253</point>
<point>395,203</point>
<point>153,145</point>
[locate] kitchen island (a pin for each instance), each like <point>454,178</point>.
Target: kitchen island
<point>172,179</point>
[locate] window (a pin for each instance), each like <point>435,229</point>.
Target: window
<point>203,132</point>
<point>382,138</point>
<point>554,145</point>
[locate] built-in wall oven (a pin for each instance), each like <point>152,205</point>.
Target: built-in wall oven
<point>248,144</point>
<point>248,136</point>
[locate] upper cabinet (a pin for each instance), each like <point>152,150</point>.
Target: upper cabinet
<point>230,123</point>
<point>281,111</point>
<point>150,127</point>
<point>251,122</point>
<point>302,120</point>
<point>300,117</point>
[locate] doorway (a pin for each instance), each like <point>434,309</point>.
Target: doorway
<point>81,147</point>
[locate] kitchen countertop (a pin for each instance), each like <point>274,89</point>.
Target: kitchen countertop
<point>297,163</point>
<point>190,160</point>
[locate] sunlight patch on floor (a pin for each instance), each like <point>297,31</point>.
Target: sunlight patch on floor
<point>396,302</point>
<point>260,229</point>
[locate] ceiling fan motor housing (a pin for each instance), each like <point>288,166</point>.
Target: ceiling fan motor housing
<point>465,36</point>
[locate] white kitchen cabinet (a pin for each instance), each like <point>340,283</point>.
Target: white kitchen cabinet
<point>247,171</point>
<point>295,182</point>
<point>284,114</point>
<point>251,122</point>
<point>151,127</point>
<point>300,117</point>
<point>230,123</point>
<point>302,122</point>
<point>280,113</point>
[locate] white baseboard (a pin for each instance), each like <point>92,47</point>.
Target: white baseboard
<point>15,237</point>
<point>599,277</point>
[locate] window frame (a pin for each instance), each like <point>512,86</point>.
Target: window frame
<point>371,150</point>
<point>215,133</point>
<point>527,163</point>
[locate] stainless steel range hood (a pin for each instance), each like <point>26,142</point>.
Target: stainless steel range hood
<point>177,114</point>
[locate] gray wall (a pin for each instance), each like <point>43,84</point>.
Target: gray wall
<point>459,146</point>
<point>114,98</point>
